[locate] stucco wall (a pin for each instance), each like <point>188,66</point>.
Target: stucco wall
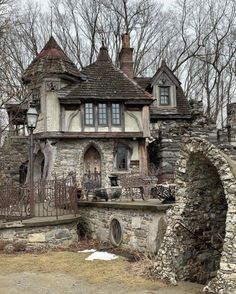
<point>133,121</point>
<point>52,112</point>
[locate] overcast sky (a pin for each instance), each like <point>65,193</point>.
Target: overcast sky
<point>44,3</point>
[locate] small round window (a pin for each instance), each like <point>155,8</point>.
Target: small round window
<point>115,232</point>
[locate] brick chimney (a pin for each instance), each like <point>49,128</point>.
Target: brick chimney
<point>126,57</point>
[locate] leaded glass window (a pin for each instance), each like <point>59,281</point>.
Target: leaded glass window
<point>164,95</point>
<point>115,114</point>
<point>122,158</point>
<point>102,114</point>
<point>88,114</point>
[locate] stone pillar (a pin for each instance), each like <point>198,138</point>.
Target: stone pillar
<point>231,116</point>
<point>126,57</point>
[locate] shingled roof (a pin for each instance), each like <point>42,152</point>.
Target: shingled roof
<point>102,81</point>
<point>183,107</point>
<point>51,60</point>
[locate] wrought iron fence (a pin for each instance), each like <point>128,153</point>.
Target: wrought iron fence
<point>56,197</point>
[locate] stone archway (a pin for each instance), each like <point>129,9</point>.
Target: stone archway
<point>199,244</point>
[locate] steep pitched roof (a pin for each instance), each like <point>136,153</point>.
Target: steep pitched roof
<point>51,60</point>
<point>105,81</point>
<point>183,107</point>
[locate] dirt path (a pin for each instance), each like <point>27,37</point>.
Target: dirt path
<point>70,273</point>
<point>55,283</point>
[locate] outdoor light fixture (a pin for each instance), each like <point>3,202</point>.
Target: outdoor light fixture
<point>32,117</point>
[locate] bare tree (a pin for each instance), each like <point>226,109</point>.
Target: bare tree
<point>197,39</point>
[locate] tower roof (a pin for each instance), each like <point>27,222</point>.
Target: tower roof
<point>51,60</point>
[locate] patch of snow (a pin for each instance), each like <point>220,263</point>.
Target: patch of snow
<point>101,256</point>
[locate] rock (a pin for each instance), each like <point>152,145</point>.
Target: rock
<point>136,222</point>
<point>36,238</point>
<point>63,234</point>
<point>9,248</point>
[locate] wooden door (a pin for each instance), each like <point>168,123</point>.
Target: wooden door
<point>92,167</point>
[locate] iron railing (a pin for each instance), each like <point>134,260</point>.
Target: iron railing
<point>56,198</point>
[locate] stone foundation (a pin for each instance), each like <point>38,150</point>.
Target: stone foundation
<point>36,234</point>
<point>143,226</point>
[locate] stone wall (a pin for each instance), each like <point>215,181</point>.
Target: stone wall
<point>201,234</point>
<point>164,149</point>
<point>36,235</point>
<point>70,156</point>
<point>168,135</point>
<point>143,227</point>
<point>13,153</point>
<point>205,219</point>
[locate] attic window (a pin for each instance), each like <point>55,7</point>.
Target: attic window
<point>164,95</point>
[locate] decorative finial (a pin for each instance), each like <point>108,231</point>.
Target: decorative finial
<point>163,62</point>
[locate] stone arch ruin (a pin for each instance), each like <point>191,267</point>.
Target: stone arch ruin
<point>199,244</point>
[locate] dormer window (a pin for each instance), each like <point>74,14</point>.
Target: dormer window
<point>164,95</point>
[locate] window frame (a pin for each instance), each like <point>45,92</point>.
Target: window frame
<point>100,112</point>
<point>164,96</point>
<point>118,161</point>
<point>85,114</point>
<point>112,114</point>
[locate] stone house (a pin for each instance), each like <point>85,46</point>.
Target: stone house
<point>94,122</point>
<point>102,121</point>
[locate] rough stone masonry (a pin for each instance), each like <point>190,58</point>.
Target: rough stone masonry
<point>199,244</point>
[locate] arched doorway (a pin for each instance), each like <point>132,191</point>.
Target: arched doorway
<point>199,244</point>
<point>92,168</point>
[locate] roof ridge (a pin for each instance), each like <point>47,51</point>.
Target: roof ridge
<point>117,70</point>
<point>135,84</point>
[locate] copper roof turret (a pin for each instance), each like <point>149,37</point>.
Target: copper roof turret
<point>51,60</point>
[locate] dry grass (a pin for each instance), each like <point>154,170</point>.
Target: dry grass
<point>73,263</point>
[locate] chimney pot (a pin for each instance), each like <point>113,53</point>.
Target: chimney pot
<point>125,41</point>
<point>126,56</point>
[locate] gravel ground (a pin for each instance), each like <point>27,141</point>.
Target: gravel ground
<point>56,283</point>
